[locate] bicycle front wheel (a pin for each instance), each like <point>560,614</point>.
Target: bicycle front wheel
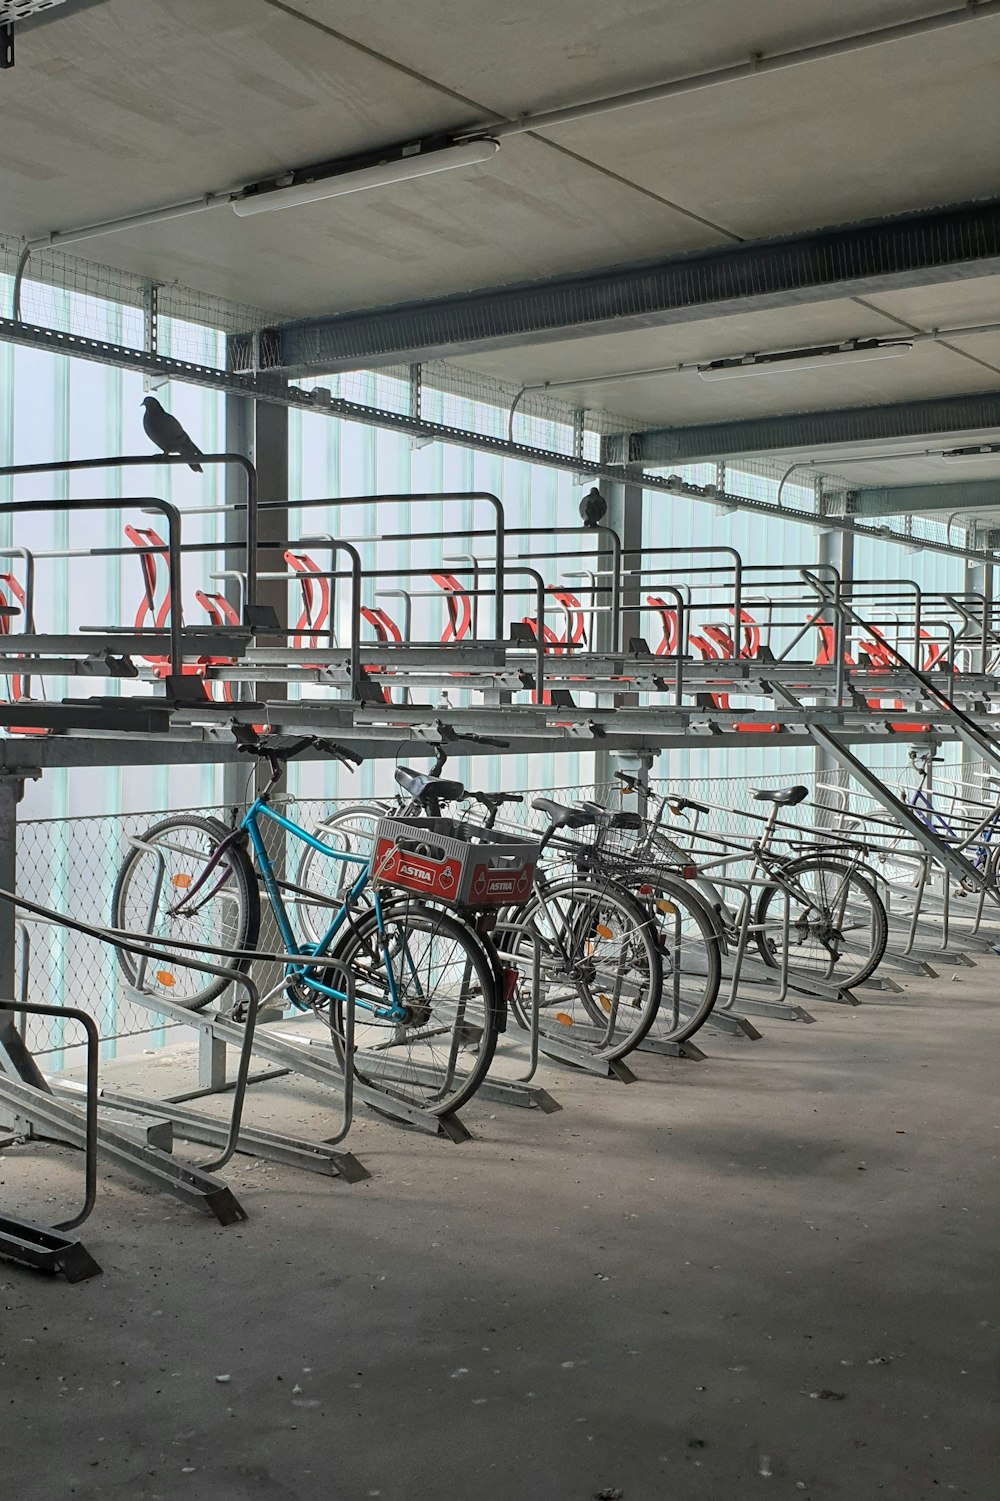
<point>837,924</point>
<point>600,970</point>
<point>324,883</point>
<point>690,946</point>
<point>225,915</point>
<point>434,967</point>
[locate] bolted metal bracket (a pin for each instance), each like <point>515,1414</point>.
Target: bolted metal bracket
<point>185,691</point>
<point>263,620</point>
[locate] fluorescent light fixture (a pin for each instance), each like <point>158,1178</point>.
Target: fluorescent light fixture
<point>785,361</point>
<point>971,455</point>
<point>403,168</point>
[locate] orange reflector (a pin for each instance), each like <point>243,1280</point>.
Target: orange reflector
<point>603,931</point>
<point>667,907</point>
<point>181,881</point>
<point>165,978</point>
<point>563,1019</point>
<point>605,1003</point>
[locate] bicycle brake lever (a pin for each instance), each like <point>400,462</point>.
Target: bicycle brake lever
<point>333,749</point>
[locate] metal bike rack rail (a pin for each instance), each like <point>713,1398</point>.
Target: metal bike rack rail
<point>48,1247</point>
<point>159,460</point>
<point>24,1085</point>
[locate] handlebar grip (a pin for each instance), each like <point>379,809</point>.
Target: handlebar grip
<point>339,751</point>
<point>486,740</point>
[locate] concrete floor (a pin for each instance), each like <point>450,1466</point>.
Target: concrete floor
<point>772,1273</point>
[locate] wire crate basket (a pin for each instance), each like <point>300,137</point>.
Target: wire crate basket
<point>452,861</point>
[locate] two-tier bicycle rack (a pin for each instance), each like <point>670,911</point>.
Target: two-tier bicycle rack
<point>540,673</point>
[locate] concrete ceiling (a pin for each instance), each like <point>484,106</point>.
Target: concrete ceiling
<point>125,105</point>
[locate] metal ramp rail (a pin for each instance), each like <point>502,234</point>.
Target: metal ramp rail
<point>32,1103</point>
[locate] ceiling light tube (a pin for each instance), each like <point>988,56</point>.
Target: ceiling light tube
<point>381,175</point>
<point>856,351</point>
<point>970,455</point>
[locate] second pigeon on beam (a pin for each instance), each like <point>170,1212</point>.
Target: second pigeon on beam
<point>593,508</point>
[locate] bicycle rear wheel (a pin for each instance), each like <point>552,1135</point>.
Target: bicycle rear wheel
<point>601,973</point>
<point>225,915</point>
<point>438,1055</point>
<point>838,929</point>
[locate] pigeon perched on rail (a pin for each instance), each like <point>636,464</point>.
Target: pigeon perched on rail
<point>166,432</point>
<point>593,508</point>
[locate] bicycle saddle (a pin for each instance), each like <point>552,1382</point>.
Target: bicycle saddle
<point>560,816</point>
<point>425,788</point>
<point>605,816</point>
<point>784,797</point>
<point>596,810</point>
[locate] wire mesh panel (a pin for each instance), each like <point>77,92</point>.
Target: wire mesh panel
<point>70,866</point>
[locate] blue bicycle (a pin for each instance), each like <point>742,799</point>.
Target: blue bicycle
<point>971,826</point>
<point>428,1006</point>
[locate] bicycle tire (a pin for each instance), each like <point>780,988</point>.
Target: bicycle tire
<point>229,920</point>
<point>692,962</point>
<point>859,967</point>
<point>401,1059</point>
<point>598,912</point>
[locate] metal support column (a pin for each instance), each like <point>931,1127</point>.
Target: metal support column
<point>979,582</point>
<point>837,549</point>
<point>625,503</point>
<point>269,452</point>
<point>260,431</point>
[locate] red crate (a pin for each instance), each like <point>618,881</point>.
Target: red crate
<point>448,860</point>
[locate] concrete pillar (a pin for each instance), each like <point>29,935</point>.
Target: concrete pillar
<point>625,502</point>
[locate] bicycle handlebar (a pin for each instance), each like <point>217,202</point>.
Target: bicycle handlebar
<point>450,737</point>
<point>277,753</point>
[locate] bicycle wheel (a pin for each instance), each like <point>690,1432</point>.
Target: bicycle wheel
<point>692,962</point>
<point>350,830</point>
<point>439,1053</point>
<point>601,971</point>
<point>225,914</point>
<point>838,929</point>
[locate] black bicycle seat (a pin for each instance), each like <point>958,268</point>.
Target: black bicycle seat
<point>784,797</point>
<point>608,817</point>
<point>560,816</point>
<point>625,820</point>
<point>425,788</point>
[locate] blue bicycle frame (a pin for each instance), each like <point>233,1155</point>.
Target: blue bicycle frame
<point>923,805</point>
<point>305,975</point>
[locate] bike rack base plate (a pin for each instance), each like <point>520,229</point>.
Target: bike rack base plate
<point>45,1249</point>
